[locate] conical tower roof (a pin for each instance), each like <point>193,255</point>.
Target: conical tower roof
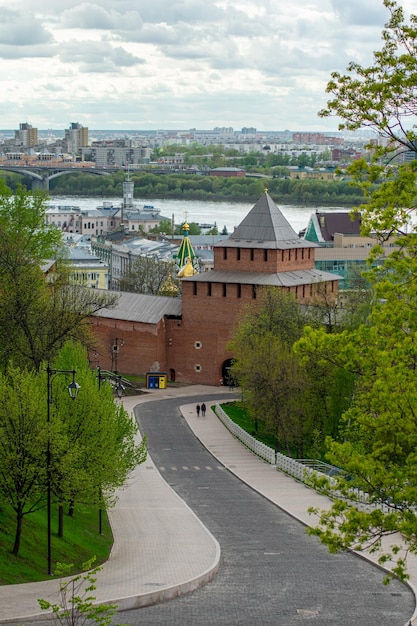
<point>186,251</point>
<point>265,222</point>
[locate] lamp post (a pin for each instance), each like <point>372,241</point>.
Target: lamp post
<point>73,388</point>
<point>119,391</point>
<point>118,343</point>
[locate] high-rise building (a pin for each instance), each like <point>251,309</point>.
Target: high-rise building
<point>26,136</point>
<point>76,137</point>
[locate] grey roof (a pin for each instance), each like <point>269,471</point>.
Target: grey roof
<point>137,307</point>
<point>265,227</point>
<point>80,254</point>
<point>281,279</point>
<point>144,216</point>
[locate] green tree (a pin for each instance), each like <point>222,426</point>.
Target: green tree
<point>37,315</point>
<point>91,441</point>
<point>382,96</point>
<point>77,604</point>
<point>95,449</point>
<point>194,229</point>
<point>164,226</point>
<point>378,450</point>
<point>147,275</point>
<point>265,367</point>
<point>23,439</point>
<point>214,230</point>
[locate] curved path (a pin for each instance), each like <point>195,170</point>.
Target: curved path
<point>271,572</point>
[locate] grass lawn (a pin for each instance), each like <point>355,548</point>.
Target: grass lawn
<point>80,543</point>
<point>239,415</point>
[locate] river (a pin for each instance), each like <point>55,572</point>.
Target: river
<point>228,214</point>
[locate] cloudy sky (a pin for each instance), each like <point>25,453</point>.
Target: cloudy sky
<point>178,64</point>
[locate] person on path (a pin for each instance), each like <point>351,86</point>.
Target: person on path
<point>197,408</point>
<point>203,409</point>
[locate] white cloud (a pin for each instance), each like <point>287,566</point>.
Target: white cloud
<point>183,63</point>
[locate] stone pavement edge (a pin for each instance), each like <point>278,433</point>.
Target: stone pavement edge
<point>161,549</point>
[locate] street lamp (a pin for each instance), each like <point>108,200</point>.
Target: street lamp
<point>118,343</point>
<point>73,388</point>
<point>118,387</point>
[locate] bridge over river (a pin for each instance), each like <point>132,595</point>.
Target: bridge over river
<point>41,175</point>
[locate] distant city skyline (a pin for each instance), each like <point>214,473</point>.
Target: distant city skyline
<point>145,65</point>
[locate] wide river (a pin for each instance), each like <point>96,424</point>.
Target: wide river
<point>228,214</point>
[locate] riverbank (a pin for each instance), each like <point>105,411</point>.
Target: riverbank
<point>219,198</point>
<point>222,213</point>
<point>311,192</point>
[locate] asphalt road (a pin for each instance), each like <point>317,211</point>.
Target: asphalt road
<point>271,572</point>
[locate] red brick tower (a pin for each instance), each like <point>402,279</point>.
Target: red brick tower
<point>263,251</point>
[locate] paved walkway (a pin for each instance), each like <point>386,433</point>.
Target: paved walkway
<point>161,549</point>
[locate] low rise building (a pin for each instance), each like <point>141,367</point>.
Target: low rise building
<point>342,249</point>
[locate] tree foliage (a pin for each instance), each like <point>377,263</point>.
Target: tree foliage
<point>149,275</point>
<point>37,314</point>
<point>92,440</point>
<point>77,605</point>
<point>382,96</point>
<point>23,436</point>
<point>378,450</point>
<point>183,186</point>
<point>298,404</point>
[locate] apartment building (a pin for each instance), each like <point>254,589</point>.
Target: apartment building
<point>76,137</point>
<point>26,136</point>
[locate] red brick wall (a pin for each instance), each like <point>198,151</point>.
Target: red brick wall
<point>260,260</point>
<point>191,350</point>
<point>144,345</point>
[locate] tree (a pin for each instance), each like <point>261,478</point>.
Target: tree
<point>91,441</point>
<point>77,604</point>
<point>194,229</point>
<point>164,226</point>
<point>264,366</point>
<point>378,452</point>
<point>298,404</point>
<point>214,230</point>
<point>23,439</point>
<point>147,275</point>
<point>94,449</point>
<point>382,96</point>
<point>37,315</point>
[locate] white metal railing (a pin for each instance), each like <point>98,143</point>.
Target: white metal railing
<point>300,469</point>
<point>260,449</point>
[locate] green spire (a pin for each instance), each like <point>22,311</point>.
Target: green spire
<point>186,250</point>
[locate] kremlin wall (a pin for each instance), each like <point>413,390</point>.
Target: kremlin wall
<point>186,337</point>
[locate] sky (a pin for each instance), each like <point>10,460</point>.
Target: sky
<point>180,64</point>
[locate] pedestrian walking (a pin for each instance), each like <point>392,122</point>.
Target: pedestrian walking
<point>197,408</point>
<point>203,409</point>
